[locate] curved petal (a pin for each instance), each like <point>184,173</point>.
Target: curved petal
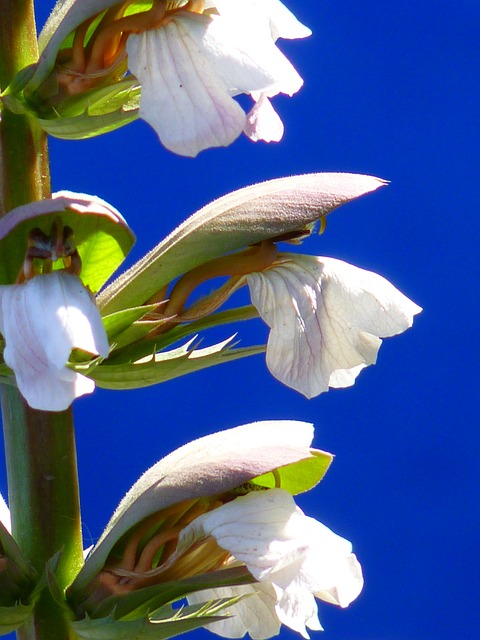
<point>263,122</point>
<point>296,608</point>
<point>42,320</point>
<point>326,319</point>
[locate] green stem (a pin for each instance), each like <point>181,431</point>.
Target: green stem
<point>39,445</point>
<point>44,503</point>
<point>24,167</point>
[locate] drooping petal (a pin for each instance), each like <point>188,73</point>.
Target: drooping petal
<point>263,122</point>
<point>42,320</point>
<point>281,546</point>
<point>192,65</point>
<point>326,319</point>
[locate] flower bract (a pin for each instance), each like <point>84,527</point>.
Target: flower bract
<point>42,320</point>
<point>326,319</point>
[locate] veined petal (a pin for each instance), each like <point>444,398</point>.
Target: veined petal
<point>244,55</point>
<point>297,609</point>
<point>42,320</point>
<point>326,319</point>
<point>183,98</point>
<point>191,66</point>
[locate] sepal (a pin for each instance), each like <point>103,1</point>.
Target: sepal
<point>101,235</point>
<point>207,467</point>
<point>17,584</point>
<point>93,112</point>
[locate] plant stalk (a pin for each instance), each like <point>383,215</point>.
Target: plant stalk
<point>39,445</point>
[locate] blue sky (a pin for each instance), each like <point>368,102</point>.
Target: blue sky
<point>391,89</point>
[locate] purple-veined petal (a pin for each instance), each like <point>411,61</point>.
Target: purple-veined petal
<point>326,319</point>
<point>183,99</point>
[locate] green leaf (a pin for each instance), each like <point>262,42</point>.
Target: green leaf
<point>13,617</point>
<point>259,212</point>
<point>117,323</point>
<point>126,352</point>
<point>298,477</point>
<point>101,235</point>
<point>94,112</point>
<point>142,601</point>
<point>12,551</point>
<point>157,627</point>
<point>164,366</point>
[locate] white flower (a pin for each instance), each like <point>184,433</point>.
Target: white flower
<point>326,319</point>
<point>192,65</point>
<point>295,559</point>
<point>42,320</point>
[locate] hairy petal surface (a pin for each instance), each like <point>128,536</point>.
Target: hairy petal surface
<point>280,546</point>
<point>326,319</point>
<point>42,320</point>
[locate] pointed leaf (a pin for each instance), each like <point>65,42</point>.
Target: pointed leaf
<point>13,617</point>
<point>160,368</point>
<point>116,323</point>
<point>239,219</point>
<point>142,601</point>
<point>147,629</point>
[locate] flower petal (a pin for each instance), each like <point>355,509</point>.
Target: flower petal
<point>42,320</point>
<point>183,98</point>
<point>263,122</point>
<point>326,318</point>
<point>298,555</point>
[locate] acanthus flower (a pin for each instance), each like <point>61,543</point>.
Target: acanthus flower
<point>52,264</point>
<point>326,319</point>
<point>214,521</point>
<point>42,321</point>
<point>188,59</point>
